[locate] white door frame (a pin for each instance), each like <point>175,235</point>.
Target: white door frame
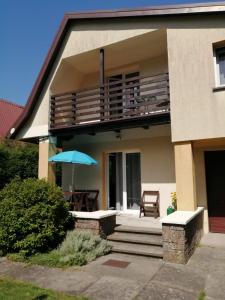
<point>124,209</point>
<point>124,182</point>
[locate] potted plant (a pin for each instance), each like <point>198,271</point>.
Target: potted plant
<point>172,207</point>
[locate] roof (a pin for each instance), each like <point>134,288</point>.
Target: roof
<point>169,10</point>
<point>9,113</point>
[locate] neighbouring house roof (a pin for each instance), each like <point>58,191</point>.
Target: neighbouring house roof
<point>9,113</point>
<point>169,10</point>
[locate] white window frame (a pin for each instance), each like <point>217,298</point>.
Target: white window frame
<point>217,69</point>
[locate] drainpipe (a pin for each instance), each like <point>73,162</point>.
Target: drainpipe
<point>102,81</point>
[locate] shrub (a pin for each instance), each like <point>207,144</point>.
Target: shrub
<point>80,247</point>
<point>17,160</point>
<point>34,216</point>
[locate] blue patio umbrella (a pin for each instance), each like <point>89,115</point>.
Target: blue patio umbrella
<point>73,157</point>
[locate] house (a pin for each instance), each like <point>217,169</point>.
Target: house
<point>9,113</point>
<point>143,92</point>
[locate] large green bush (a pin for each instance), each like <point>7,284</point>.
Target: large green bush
<point>33,216</point>
<point>17,160</point>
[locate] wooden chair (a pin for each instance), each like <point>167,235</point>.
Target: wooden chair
<point>150,204</point>
<point>91,200</point>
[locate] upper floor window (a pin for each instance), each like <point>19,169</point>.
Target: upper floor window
<point>220,65</point>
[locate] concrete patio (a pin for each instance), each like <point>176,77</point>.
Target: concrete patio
<point>134,221</point>
<point>142,278</point>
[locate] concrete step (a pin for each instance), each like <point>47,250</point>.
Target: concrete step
<point>139,230</point>
<point>137,249</point>
<point>136,238</point>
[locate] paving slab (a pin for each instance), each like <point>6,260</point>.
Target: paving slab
<point>113,288</point>
<point>10,268</point>
<point>211,261</point>
<point>181,277</point>
<point>202,259</point>
<point>215,240</point>
<point>218,256</point>
<point>158,291</point>
<point>141,269</point>
<point>210,298</point>
<point>70,281</point>
<point>215,283</point>
<point>143,278</point>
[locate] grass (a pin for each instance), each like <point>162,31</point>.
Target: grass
<point>77,249</point>
<point>50,259</point>
<point>201,296</point>
<point>14,290</point>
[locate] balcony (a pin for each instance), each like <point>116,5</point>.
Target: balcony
<point>119,103</point>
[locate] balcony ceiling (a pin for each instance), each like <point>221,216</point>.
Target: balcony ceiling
<point>132,50</point>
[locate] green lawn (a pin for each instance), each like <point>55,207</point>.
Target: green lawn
<point>50,259</point>
<point>14,290</point>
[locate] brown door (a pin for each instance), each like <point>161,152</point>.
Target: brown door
<point>215,182</point>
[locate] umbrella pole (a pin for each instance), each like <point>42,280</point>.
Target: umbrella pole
<point>73,169</point>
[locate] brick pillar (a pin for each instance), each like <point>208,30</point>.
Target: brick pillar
<point>46,170</point>
<point>185,176</point>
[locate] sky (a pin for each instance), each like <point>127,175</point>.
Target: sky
<point>27,28</point>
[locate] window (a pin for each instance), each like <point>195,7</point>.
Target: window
<point>220,65</point>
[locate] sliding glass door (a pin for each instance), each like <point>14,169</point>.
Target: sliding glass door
<point>133,180</point>
<point>124,181</point>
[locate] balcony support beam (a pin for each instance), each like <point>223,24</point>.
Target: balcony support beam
<point>102,67</point>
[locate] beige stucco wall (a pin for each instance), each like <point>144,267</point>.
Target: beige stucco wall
<point>157,162</point>
<point>67,78</point>
<point>185,176</point>
<point>81,38</point>
<point>191,69</point>
<point>196,111</point>
<point>146,67</point>
<point>96,34</point>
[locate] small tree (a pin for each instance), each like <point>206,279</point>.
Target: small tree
<point>4,156</point>
<point>17,160</point>
<point>34,216</point>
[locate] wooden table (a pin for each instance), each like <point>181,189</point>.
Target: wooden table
<point>77,199</point>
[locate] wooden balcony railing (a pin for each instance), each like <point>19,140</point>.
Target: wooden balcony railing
<point>120,99</point>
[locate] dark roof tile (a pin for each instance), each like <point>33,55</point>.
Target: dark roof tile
<point>9,113</point>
